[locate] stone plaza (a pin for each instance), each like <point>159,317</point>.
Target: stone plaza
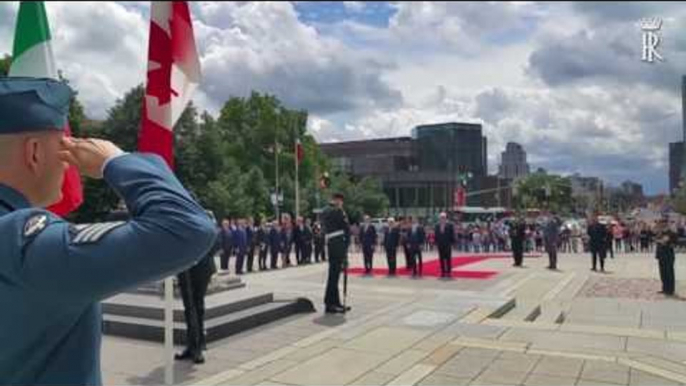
<point>515,326</point>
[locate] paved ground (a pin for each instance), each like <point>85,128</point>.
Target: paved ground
<point>524,326</point>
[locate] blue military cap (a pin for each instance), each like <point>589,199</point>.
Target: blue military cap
<point>33,104</point>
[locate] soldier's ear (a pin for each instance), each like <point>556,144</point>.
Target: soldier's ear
<point>34,154</point>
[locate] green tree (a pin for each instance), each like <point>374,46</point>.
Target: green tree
<point>5,63</point>
<point>229,163</point>
<point>544,191</point>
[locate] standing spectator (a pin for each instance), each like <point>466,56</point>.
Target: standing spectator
<point>445,237</point>
<point>644,238</point>
<point>368,241</point>
<point>597,233</point>
<point>391,242</point>
<point>476,240</point>
<point>618,233</point>
<point>609,241</point>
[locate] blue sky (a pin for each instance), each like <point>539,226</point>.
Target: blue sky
<point>563,79</point>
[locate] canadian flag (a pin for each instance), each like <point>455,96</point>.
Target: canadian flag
<point>173,76</point>
<point>299,151</point>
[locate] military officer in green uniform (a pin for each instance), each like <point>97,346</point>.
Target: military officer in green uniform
<point>54,274</point>
<point>337,230</point>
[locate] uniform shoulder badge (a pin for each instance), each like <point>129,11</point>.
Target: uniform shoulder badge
<point>91,233</point>
<point>35,224</point>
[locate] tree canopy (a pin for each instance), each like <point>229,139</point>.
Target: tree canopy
<point>229,163</point>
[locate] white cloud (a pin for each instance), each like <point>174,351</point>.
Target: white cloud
<point>354,6</point>
<point>565,80</point>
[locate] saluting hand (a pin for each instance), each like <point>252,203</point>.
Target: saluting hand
<point>88,154</point>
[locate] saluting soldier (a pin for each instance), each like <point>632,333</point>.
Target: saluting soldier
<point>54,274</point>
<point>337,231</point>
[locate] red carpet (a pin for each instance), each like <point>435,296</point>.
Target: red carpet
<point>432,268</point>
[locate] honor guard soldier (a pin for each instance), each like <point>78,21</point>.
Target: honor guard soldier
<point>337,231</point>
<point>665,239</point>
<point>53,274</point>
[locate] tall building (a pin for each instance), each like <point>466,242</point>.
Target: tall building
<point>513,162</point>
<point>676,159</point>
<point>420,174</point>
<point>588,192</point>
<point>676,149</point>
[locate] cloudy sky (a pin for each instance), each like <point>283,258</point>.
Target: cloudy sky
<point>566,80</point>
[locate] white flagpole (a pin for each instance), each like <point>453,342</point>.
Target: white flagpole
<point>169,331</point>
<point>297,182</point>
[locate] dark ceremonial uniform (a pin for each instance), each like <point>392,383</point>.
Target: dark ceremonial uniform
<point>337,239</point>
<point>665,241</point>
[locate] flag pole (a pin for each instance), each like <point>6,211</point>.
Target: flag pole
<point>297,180</point>
<point>168,331</point>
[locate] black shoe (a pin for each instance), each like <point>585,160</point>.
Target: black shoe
<point>334,310</point>
<point>198,358</point>
<point>344,309</point>
<point>186,354</point>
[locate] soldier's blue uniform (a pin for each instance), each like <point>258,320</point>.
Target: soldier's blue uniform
<point>53,274</point>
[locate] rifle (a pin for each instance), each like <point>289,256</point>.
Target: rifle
<point>345,284</point>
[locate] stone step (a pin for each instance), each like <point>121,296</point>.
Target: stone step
<point>149,307</point>
<point>220,282</point>
<point>216,328</point>
<point>551,313</point>
<point>526,312</point>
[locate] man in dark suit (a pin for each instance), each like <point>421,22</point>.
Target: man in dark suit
<point>226,236</point>
<point>262,243</point>
<point>286,240</point>
<point>368,241</point>
<point>297,235</point>
<point>241,243</point>
<point>597,233</point>
<point>274,243</point>
<point>405,230</point>
<point>445,237</point>
<point>417,238</point>
<point>250,232</point>
<point>391,242</point>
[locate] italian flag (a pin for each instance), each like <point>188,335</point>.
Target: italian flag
<point>32,57</point>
